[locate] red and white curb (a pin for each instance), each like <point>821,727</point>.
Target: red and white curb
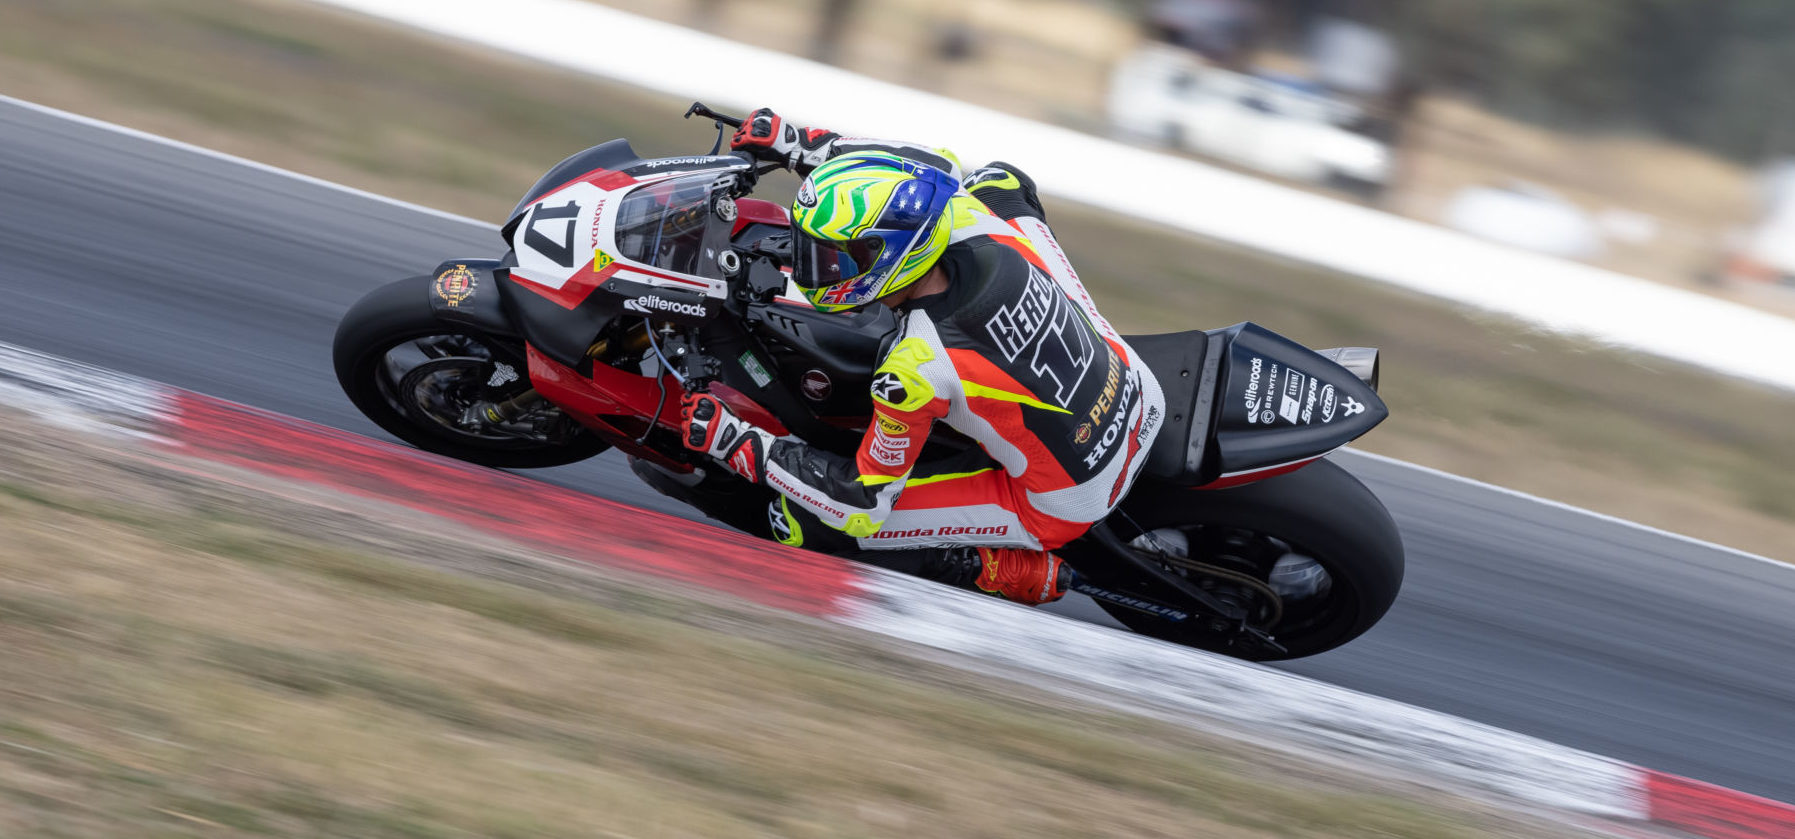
<point>1173,682</point>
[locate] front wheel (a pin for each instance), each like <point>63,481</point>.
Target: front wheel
<point>1312,556</point>
<point>424,381</point>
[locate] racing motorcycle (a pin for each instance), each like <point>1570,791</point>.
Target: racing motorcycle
<point>627,279</point>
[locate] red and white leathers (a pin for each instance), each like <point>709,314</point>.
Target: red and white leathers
<point>1015,356</point>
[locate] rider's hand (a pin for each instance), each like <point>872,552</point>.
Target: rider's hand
<point>710,427</point>
<point>768,137</point>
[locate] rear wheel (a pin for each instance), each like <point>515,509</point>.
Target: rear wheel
<point>1312,557</point>
<point>428,382</point>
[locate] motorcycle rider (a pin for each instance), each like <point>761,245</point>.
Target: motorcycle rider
<point>998,340</point>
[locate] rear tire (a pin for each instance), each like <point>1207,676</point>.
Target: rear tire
<point>398,313</point>
<point>1321,512</point>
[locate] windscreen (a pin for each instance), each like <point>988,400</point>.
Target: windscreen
<point>669,225</point>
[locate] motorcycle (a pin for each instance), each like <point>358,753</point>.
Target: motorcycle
<point>1238,537</point>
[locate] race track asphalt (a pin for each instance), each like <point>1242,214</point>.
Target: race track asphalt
<point>228,280</point>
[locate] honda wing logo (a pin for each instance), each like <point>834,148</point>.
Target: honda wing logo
<point>655,304</point>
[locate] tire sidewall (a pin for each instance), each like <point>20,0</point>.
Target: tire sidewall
<point>1321,508</point>
<point>400,311</point>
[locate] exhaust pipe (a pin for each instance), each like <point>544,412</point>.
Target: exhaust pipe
<point>1360,361</point>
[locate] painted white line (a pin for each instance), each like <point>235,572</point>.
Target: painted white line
<point>257,165</point>
<point>1270,703</point>
<point>79,396</point>
<point>1558,295</point>
<point>1570,508</point>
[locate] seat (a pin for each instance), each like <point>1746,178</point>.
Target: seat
<point>1178,361</point>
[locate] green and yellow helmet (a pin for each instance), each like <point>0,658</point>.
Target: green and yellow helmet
<point>867,224</point>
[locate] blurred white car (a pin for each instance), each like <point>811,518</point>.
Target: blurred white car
<point>1276,127</point>
<point>1525,216</point>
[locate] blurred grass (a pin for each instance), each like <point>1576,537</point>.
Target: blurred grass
<point>177,659</point>
<point>462,129</point>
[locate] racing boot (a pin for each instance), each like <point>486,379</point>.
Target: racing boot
<point>1022,576</point>
<point>1005,191</point>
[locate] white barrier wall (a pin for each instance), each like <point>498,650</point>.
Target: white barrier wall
<point>1551,293</point>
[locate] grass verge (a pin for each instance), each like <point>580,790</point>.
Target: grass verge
<point>462,129</point>
<point>191,651</point>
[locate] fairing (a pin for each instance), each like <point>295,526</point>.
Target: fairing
<point>1245,403</point>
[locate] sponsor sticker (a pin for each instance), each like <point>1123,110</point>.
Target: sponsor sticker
<point>599,258</point>
<point>1106,398</point>
<point>782,529</point>
<point>1327,404</point>
<point>744,463</point>
<point>1269,414</point>
<point>502,374</point>
<point>1083,434</point>
<point>1290,406</point>
<point>889,389</point>
<point>948,530</point>
<point>756,370</point>
<point>886,449</point>
<point>1130,601</point>
<point>654,304</point>
<point>815,385</point>
<point>798,494</point>
<point>807,194</point>
<point>1113,430</point>
<point>891,426</point>
<point>1255,369</point>
<point>679,161</point>
<point>1350,406</point>
<point>989,173</point>
<point>1151,422</point>
<point>456,285</point>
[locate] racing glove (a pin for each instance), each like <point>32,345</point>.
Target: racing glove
<point>768,137</point>
<point>710,427</point>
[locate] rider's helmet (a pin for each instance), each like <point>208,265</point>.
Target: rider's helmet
<point>867,224</point>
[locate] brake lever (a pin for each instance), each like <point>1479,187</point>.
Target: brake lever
<point>699,109</point>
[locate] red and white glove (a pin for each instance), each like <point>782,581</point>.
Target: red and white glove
<point>768,137</point>
<point>710,427</point>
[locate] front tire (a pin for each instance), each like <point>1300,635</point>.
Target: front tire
<point>1319,513</point>
<point>396,320</point>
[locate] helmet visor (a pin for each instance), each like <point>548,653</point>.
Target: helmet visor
<point>819,263</point>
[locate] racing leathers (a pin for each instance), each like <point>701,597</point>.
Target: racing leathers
<point>1013,355</point>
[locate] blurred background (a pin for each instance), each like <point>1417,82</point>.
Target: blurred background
<point>182,657</point>
<point>1653,137</point>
